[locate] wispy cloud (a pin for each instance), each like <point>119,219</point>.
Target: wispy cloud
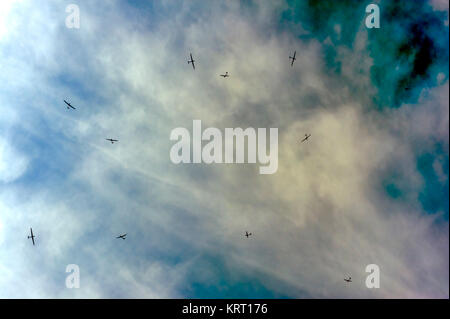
<point>324,215</point>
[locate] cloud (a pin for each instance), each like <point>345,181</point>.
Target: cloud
<point>12,164</point>
<point>324,214</point>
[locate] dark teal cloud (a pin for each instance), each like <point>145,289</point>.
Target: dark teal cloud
<point>222,282</point>
<point>408,51</point>
<point>434,195</point>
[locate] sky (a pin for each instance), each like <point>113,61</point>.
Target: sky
<point>369,187</point>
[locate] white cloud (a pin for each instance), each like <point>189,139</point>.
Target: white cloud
<point>318,219</point>
<point>12,164</point>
